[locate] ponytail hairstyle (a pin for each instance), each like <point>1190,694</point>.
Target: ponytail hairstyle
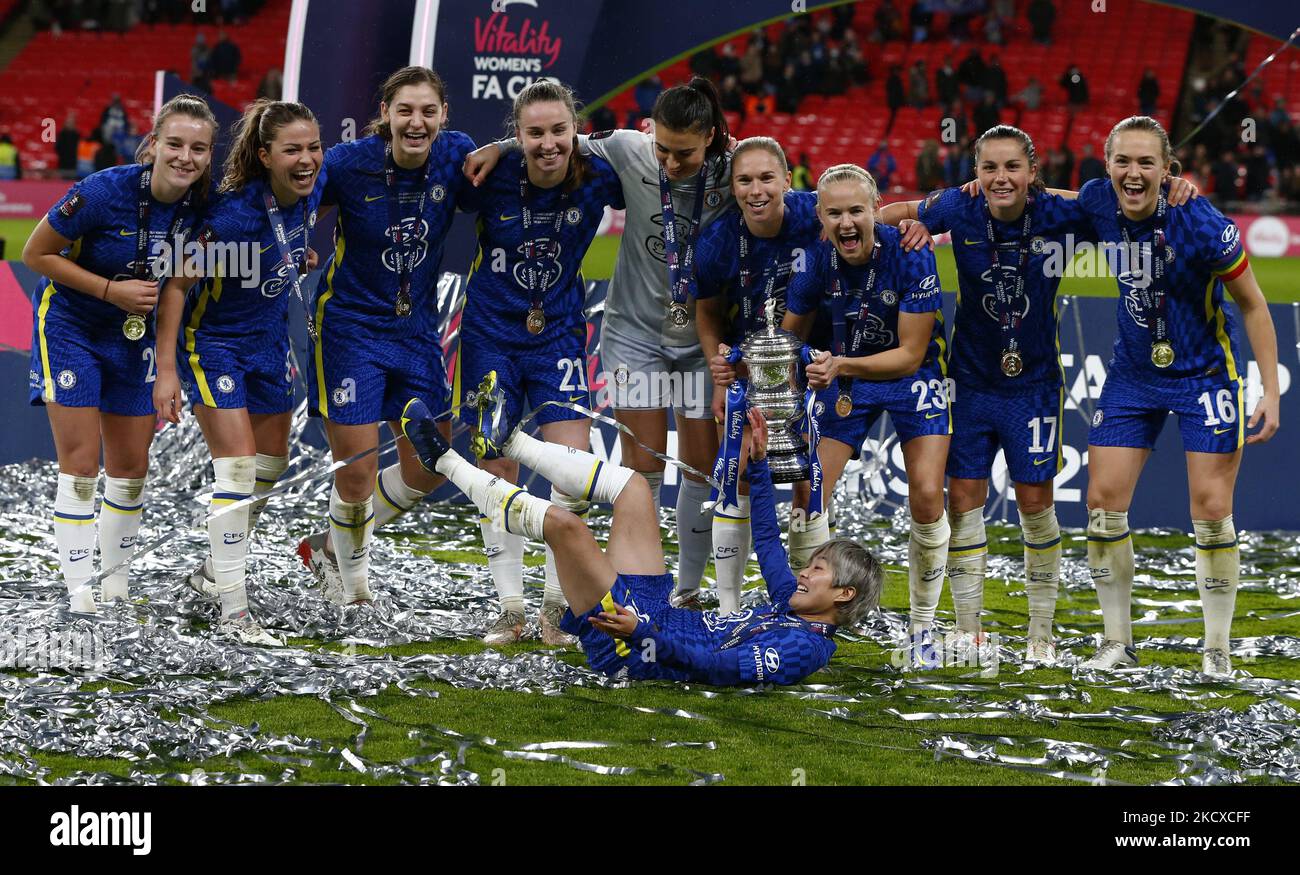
<point>395,83</point>
<point>546,91</point>
<point>850,173</point>
<point>191,106</point>
<point>256,131</point>
<point>1007,132</point>
<point>694,107</point>
<point>761,144</point>
<point>1151,126</point>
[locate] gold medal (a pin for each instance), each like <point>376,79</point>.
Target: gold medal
<point>1162,354</point>
<point>536,321</point>
<point>133,328</point>
<point>1012,364</point>
<point>403,305</point>
<point>843,405</point>
<point>677,313</point>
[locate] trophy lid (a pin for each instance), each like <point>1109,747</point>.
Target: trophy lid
<point>772,342</point>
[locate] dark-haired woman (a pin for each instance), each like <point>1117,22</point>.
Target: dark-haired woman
<point>677,176</point>
<point>376,313</point>
<point>93,354</point>
<point>524,326</point>
<point>233,328</point>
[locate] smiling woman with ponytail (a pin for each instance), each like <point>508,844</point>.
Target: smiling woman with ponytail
<point>93,353</point>
<point>225,338</point>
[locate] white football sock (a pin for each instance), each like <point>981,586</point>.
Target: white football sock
<point>119,528</point>
<point>74,533</point>
<point>968,554</point>
<point>554,593</point>
<point>1042,539</point>
<point>1217,570</point>
<point>694,533</point>
<point>351,523</point>
<point>1110,562</point>
<point>268,472</point>
<point>806,535</point>
<point>505,504</point>
<point>576,472</point>
<point>395,497</point>
<point>732,542</point>
<point>505,556</point>
<point>927,557</point>
<point>655,479</point>
<point>228,531</point>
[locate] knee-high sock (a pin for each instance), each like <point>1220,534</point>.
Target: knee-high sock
<point>74,532</point>
<point>554,593</point>
<point>806,535</point>
<point>228,531</point>
<point>694,533</point>
<point>1217,571</point>
<point>655,480</point>
<point>395,497</point>
<point>351,524</point>
<point>510,508</point>
<point>1110,562</point>
<point>732,543</point>
<point>505,556</point>
<point>968,553</point>
<point>574,472</point>
<point>1042,538</point>
<point>119,527</point>
<point>927,557</point>
<point>269,470</point>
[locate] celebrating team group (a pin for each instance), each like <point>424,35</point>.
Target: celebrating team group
<point>715,242</point>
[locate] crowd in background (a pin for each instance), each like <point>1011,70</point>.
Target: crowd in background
<point>121,15</point>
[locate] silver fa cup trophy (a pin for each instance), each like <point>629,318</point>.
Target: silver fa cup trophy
<point>772,355</point>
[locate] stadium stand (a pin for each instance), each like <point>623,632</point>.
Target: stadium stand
<point>79,71</point>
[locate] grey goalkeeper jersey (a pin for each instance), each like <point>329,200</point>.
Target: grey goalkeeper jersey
<point>636,304</point>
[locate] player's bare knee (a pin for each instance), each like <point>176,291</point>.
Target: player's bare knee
<point>926,501</point>
<point>634,494</point>
<point>1211,506</point>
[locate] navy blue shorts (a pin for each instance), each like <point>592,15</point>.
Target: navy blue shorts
<point>82,366</point>
<point>647,594</point>
<point>1131,413</point>
<point>557,372</point>
<point>917,406</point>
<point>359,381</point>
<point>1027,427</point>
<point>233,373</point>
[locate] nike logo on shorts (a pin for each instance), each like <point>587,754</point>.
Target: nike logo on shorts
<point>1042,461</point>
<point>972,242</point>
<point>1223,430</point>
<point>932,415</point>
<point>371,200</point>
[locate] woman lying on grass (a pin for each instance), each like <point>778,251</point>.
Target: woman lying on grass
<point>618,597</point>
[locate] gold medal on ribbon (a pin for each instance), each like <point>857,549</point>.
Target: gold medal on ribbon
<point>678,315</point>
<point>403,304</point>
<point>536,321</point>
<point>1012,364</point>
<point>133,328</point>
<point>843,405</point>
<point>1162,354</point>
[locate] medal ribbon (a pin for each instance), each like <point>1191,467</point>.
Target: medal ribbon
<point>1154,294</point>
<point>276,217</point>
<point>1009,304</point>
<point>774,621</point>
<point>142,269</point>
<point>770,270</point>
<point>532,270</point>
<point>681,260</point>
<point>405,251</point>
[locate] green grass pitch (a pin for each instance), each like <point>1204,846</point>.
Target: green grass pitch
<point>773,737</point>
